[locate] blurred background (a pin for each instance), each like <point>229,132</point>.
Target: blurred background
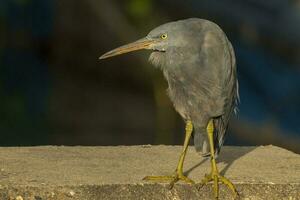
<point>54,90</point>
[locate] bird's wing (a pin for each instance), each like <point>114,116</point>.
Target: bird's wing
<point>218,77</point>
<point>221,122</point>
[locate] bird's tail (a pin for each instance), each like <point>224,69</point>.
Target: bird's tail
<point>220,124</point>
<point>220,127</point>
<point>201,141</point>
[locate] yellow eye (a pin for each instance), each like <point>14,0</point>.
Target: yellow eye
<point>164,36</point>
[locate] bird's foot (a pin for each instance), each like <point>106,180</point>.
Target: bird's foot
<point>216,178</point>
<point>171,179</point>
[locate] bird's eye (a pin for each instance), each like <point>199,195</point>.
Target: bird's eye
<point>163,36</point>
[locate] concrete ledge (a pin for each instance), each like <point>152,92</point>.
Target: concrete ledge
<point>88,173</point>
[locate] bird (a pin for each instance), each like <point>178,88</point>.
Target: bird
<point>198,62</point>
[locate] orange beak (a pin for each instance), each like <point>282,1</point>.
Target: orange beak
<point>143,43</point>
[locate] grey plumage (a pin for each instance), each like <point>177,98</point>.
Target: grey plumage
<point>198,62</point>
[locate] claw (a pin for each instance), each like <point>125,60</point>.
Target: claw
<point>172,179</point>
<point>230,185</point>
<point>217,178</point>
<point>158,178</point>
<point>214,176</point>
<point>178,175</point>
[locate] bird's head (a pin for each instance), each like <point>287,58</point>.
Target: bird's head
<point>161,40</point>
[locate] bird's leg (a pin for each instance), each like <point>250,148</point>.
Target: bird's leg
<point>215,176</point>
<point>178,174</point>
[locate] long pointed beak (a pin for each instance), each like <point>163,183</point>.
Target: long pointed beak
<point>143,43</point>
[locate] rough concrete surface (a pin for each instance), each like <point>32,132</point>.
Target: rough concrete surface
<point>92,173</point>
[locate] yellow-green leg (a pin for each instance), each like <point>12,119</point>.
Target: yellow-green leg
<point>215,176</point>
<point>178,174</point>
